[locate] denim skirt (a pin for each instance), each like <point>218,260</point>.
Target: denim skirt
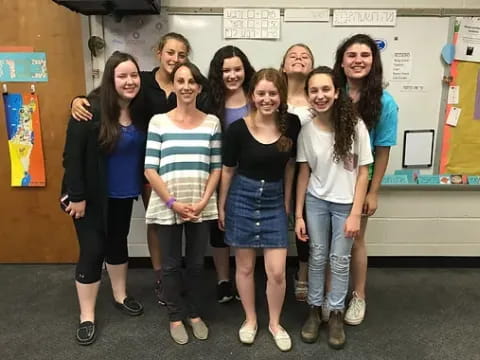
<point>255,214</point>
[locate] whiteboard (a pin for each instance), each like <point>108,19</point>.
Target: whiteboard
<point>419,98</point>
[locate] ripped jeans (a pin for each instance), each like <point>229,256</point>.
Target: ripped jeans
<point>325,221</point>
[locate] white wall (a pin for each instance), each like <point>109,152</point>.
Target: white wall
<point>414,222</point>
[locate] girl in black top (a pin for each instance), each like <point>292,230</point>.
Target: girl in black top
<point>258,166</point>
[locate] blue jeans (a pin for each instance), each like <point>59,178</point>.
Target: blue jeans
<point>325,221</point>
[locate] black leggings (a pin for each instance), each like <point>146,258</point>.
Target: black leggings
<point>98,244</point>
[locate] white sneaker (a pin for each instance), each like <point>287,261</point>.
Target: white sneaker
<point>356,310</point>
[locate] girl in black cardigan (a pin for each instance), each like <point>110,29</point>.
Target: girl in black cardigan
<point>103,161</point>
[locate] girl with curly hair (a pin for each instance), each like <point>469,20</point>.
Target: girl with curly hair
<point>255,192</point>
<point>358,68</point>
<point>229,78</point>
<point>333,156</point>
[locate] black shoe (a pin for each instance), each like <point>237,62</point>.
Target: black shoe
<point>86,333</point>
<point>224,292</point>
<point>130,306</point>
<point>158,289</point>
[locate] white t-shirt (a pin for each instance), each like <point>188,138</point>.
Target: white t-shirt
<point>304,113</point>
<point>330,180</point>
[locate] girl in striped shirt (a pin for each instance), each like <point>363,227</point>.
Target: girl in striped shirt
<point>183,164</point>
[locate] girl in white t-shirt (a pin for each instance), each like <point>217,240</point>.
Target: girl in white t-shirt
<point>333,156</point>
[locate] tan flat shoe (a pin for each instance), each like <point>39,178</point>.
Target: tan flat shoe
<point>282,339</point>
<point>247,334</point>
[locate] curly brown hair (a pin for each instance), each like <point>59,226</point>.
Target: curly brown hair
<point>369,106</point>
<point>343,118</point>
<point>284,144</point>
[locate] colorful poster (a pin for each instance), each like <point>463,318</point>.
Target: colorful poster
<point>23,67</point>
<point>24,140</point>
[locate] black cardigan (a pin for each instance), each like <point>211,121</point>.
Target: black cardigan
<point>84,162</point>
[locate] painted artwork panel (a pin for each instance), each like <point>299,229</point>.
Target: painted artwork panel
<point>24,140</point>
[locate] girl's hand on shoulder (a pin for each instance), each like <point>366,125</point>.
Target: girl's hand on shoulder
<point>79,109</point>
<point>76,209</point>
<point>301,229</point>
<point>370,204</point>
<point>352,226</point>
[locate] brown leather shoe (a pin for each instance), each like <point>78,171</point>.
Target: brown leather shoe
<point>309,331</point>
<point>336,334</point>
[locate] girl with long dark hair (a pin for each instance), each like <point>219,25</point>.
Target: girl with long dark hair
<point>229,80</point>
<point>333,155</point>
<point>358,68</point>
<point>102,161</point>
<point>156,97</point>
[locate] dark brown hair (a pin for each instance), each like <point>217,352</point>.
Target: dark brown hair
<point>284,144</point>
<point>196,73</point>
<point>215,77</point>
<point>369,105</point>
<point>343,116</point>
<point>109,101</point>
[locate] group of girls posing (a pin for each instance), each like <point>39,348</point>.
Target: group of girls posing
<point>171,120</point>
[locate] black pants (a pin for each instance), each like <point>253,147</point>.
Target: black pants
<point>98,244</point>
<point>170,237</point>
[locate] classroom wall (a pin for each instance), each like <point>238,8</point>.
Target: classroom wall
<point>415,222</point>
<point>418,4</point>
<point>433,222</point>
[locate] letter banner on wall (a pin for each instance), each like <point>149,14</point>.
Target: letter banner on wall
<point>24,140</point>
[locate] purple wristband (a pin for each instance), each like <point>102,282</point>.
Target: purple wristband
<point>170,202</point>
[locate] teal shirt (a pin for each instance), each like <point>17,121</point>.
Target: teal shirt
<point>385,132</point>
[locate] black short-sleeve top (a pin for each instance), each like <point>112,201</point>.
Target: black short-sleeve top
<point>256,160</point>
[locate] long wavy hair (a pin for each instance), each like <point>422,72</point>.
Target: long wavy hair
<point>284,144</point>
<point>306,47</point>
<point>109,101</point>
<point>369,106</point>
<point>215,77</point>
<point>343,116</point>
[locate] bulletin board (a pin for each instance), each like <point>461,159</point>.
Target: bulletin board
<point>461,143</point>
